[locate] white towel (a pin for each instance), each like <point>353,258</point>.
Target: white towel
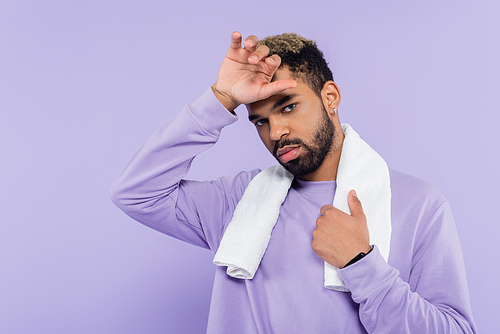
<point>249,232</point>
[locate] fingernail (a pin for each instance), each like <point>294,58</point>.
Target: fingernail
<point>271,60</point>
<point>354,193</point>
<point>254,57</point>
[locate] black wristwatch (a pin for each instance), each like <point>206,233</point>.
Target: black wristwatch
<point>358,257</point>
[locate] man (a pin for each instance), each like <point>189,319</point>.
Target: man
<point>419,286</point>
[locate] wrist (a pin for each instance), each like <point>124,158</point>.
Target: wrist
<point>358,257</point>
<point>224,99</point>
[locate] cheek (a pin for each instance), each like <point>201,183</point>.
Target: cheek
<point>266,140</point>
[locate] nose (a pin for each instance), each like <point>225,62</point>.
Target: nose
<point>277,128</point>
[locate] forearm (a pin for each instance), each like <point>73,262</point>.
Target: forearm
<point>387,304</point>
<point>145,187</point>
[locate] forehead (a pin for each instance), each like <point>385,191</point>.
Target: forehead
<point>283,73</point>
<point>302,90</point>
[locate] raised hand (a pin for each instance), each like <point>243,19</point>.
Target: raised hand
<point>245,74</point>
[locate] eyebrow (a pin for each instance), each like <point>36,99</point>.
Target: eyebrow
<point>284,100</point>
<point>276,105</point>
<point>253,117</point>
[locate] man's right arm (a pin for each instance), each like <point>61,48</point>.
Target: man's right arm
<point>148,187</point>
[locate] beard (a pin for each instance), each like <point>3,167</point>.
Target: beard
<point>313,154</point>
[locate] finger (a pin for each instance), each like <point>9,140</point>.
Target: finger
<point>355,204</point>
<point>235,40</point>
<point>276,87</point>
<point>273,62</point>
<point>261,52</point>
<point>324,208</point>
<point>251,43</point>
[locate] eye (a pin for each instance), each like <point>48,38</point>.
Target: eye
<point>261,122</point>
<point>289,107</point>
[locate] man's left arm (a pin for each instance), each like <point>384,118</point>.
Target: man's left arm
<point>435,300</point>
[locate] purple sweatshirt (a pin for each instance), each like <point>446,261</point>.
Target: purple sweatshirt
<point>422,288</point>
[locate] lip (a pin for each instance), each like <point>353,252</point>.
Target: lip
<point>288,153</point>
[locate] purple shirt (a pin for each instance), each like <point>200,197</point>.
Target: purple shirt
<point>422,288</point>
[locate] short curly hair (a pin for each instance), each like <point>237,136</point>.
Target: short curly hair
<point>302,57</point>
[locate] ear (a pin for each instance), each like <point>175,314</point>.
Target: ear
<point>331,96</point>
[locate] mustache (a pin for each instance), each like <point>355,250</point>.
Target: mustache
<point>286,142</point>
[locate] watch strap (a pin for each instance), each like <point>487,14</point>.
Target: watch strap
<point>358,257</point>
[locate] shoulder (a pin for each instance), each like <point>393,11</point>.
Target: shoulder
<point>414,191</point>
<point>237,183</point>
<point>229,187</point>
<point>415,203</point>
<point>211,202</point>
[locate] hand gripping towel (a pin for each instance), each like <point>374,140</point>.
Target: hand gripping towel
<point>360,168</point>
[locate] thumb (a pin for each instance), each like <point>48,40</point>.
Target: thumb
<point>355,204</point>
<point>276,87</point>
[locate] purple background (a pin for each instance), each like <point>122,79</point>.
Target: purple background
<point>84,84</point>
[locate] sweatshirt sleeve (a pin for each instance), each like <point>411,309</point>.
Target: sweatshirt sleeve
<point>151,189</point>
<point>435,300</point>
